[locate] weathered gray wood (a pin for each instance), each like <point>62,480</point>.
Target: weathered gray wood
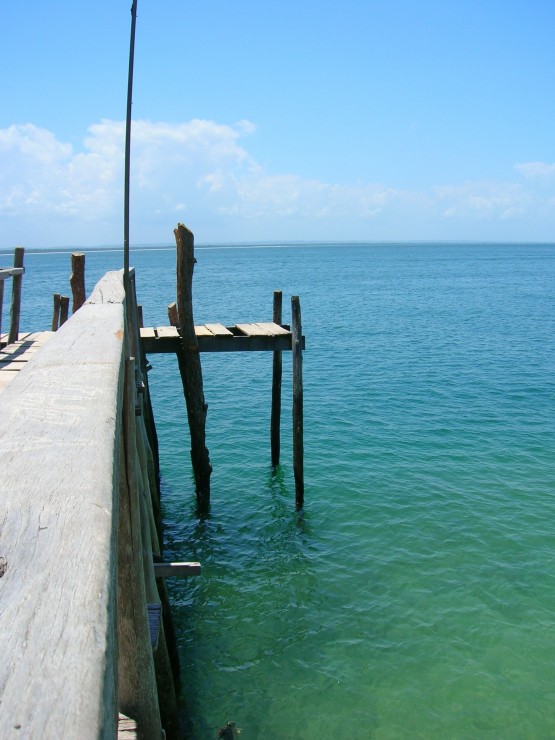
<point>16,295</point>
<point>77,280</point>
<point>298,443</point>
<point>203,331</point>
<point>254,330</point>
<point>272,327</point>
<point>275,420</point>
<point>168,332</point>
<point>191,369</point>
<point>218,330</point>
<point>59,446</point>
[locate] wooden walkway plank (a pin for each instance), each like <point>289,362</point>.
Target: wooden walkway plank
<point>166,332</point>
<point>253,330</point>
<point>203,331</point>
<point>219,330</point>
<point>272,328</point>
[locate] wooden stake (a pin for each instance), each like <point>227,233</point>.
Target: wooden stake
<point>298,444</point>
<point>276,386</point>
<point>16,296</point>
<point>191,372</point>
<point>77,280</point>
<point>64,309</point>
<point>56,313</point>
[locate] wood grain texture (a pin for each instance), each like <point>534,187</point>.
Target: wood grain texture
<point>59,445</point>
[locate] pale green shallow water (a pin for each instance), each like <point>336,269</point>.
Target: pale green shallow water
<point>415,595</point>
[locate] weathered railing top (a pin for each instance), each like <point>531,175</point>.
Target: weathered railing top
<point>59,457</point>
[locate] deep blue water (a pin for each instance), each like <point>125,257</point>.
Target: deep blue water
<point>414,597</point>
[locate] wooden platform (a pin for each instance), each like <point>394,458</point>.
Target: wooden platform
<point>257,337</point>
<point>13,357</point>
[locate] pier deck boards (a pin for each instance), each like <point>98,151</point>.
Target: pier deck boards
<point>13,357</point>
<point>264,336</point>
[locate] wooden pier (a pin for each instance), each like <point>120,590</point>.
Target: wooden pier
<point>85,620</point>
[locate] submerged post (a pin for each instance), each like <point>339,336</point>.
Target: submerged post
<point>16,296</point>
<point>191,370</point>
<point>298,445</point>
<point>276,386</point>
<point>77,280</point>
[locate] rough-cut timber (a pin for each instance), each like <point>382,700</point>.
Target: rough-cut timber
<point>191,370</point>
<point>59,446</point>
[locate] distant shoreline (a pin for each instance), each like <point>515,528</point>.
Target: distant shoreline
<point>278,245</point>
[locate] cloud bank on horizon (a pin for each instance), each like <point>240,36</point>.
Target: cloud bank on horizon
<point>201,173</point>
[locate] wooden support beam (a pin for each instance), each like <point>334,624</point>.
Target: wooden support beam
<point>16,295</point>
<point>176,570</point>
<point>275,421</point>
<point>191,369</point>
<point>77,280</point>
<point>298,444</point>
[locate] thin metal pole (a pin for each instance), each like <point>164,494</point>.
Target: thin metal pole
<point>128,148</point>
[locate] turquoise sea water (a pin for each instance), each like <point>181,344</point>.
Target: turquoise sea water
<point>414,597</point>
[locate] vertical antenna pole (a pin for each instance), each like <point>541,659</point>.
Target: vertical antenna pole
<point>128,149</point>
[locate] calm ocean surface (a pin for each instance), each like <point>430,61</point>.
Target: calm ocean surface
<point>415,595</point>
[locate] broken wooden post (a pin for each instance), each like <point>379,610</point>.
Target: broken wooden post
<point>56,312</point>
<point>77,280</point>
<point>276,386</point>
<point>16,295</point>
<point>191,375</point>
<point>298,445</point>
<point>64,308</point>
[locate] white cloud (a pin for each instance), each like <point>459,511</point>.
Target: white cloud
<point>483,201</point>
<point>536,170</point>
<point>200,172</point>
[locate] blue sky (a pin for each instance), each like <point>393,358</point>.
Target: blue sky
<point>354,120</point>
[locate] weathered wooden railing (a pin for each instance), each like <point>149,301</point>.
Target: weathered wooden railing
<point>78,534</point>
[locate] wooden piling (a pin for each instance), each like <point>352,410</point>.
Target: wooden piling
<point>191,373</point>
<point>276,386</point>
<point>56,312</point>
<point>77,280</point>
<point>16,296</point>
<point>64,309</point>
<point>298,444</point>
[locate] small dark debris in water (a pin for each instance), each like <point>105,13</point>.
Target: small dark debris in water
<point>3,566</point>
<point>228,731</point>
